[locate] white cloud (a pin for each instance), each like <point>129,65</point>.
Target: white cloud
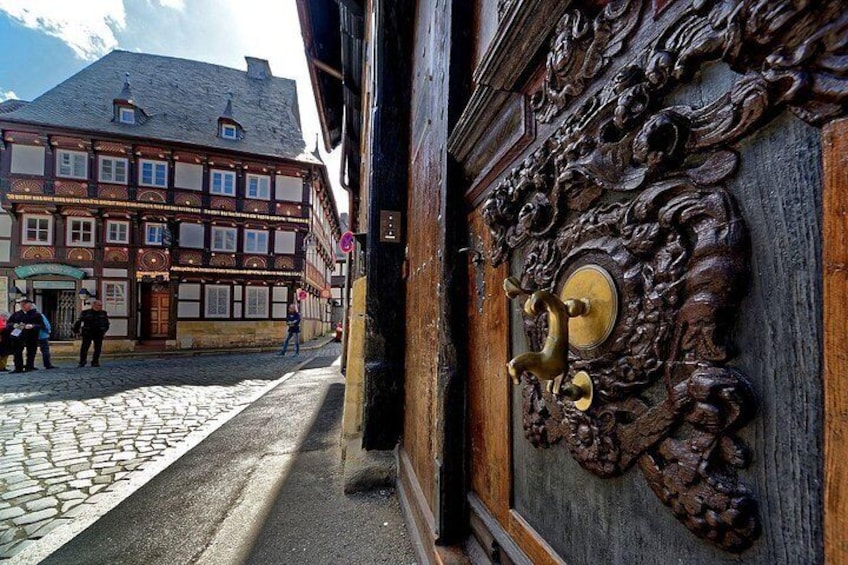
<point>89,31</point>
<point>178,5</point>
<point>7,95</point>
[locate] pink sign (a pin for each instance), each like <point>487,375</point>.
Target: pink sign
<point>346,242</point>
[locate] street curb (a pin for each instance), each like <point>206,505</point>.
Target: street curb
<point>118,492</point>
<point>193,352</point>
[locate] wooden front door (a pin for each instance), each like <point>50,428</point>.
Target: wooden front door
<point>696,184</point>
<point>156,309</point>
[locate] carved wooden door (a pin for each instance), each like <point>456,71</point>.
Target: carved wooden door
<point>687,171</point>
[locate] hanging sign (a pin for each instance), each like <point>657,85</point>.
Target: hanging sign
<point>25,271</point>
<point>346,242</point>
<point>302,295</point>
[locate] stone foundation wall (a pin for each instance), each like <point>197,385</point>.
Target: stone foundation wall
<point>209,334</point>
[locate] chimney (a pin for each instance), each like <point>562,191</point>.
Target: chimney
<point>258,68</point>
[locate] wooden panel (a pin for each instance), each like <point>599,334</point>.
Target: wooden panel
<point>835,274</point>
<point>424,258</point>
<point>488,383</point>
<point>531,542</point>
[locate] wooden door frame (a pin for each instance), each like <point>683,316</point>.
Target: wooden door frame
<point>835,352</point>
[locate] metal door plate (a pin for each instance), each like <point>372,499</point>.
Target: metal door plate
<point>595,284</point>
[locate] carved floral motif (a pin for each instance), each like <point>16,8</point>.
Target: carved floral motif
<point>674,240</point>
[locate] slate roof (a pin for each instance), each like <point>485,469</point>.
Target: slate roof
<point>183,100</point>
<point>11,105</point>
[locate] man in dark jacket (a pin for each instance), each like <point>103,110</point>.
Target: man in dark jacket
<point>93,324</point>
<point>25,325</point>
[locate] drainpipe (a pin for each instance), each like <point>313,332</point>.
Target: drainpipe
<point>348,282</point>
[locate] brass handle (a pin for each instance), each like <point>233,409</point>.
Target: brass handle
<point>551,363</point>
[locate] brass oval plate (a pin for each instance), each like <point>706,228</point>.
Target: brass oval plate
<point>595,284</point>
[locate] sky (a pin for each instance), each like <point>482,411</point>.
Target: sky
<point>44,42</point>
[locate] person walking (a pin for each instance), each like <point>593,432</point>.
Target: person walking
<point>93,325</point>
<point>44,341</point>
<point>26,324</point>
<point>5,340</point>
<point>293,322</point>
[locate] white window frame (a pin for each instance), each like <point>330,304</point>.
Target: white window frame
<point>261,192</point>
<point>218,229</point>
<point>229,131</point>
<point>112,177</point>
<point>115,304</point>
<point>25,238</point>
<point>126,230</point>
<point>223,175</point>
<point>71,166</point>
<point>255,233</point>
<point>256,302</point>
<point>216,312</point>
<point>154,164</point>
<point>147,226</point>
<point>126,115</point>
<point>75,224</point>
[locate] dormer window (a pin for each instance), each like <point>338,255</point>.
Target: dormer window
<point>229,131</point>
<point>228,126</point>
<point>126,115</point>
<point>125,108</point>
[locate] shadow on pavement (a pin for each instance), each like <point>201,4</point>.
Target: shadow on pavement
<point>117,377</point>
<point>286,446</point>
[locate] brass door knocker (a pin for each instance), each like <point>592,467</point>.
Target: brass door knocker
<point>596,308</point>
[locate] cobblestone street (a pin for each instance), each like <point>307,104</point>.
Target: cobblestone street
<point>73,437</point>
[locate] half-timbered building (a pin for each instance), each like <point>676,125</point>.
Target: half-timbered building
<point>177,192</point>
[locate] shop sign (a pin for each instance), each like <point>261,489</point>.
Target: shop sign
<point>26,271</point>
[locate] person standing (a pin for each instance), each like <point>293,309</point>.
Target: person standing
<point>26,324</point>
<point>293,322</point>
<point>44,341</point>
<point>93,325</point>
<point>5,340</point>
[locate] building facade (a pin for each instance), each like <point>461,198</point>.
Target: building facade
<point>620,272</point>
<point>176,192</point>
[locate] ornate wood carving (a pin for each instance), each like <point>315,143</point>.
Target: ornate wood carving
<point>284,263</point>
<point>255,261</point>
<point>37,252</point>
<point>69,188</point>
<point>113,255</point>
<point>28,186</point>
<point>157,196</point>
<point>256,206</point>
<point>674,240</point>
<point>113,192</point>
<point>154,260</point>
<point>184,199</point>
<point>223,261</point>
<point>223,203</point>
<point>580,50</point>
<point>79,254</point>
<point>190,257</point>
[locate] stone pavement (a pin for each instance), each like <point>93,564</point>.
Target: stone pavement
<point>75,441</point>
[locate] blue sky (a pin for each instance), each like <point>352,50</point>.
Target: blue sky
<point>43,42</point>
